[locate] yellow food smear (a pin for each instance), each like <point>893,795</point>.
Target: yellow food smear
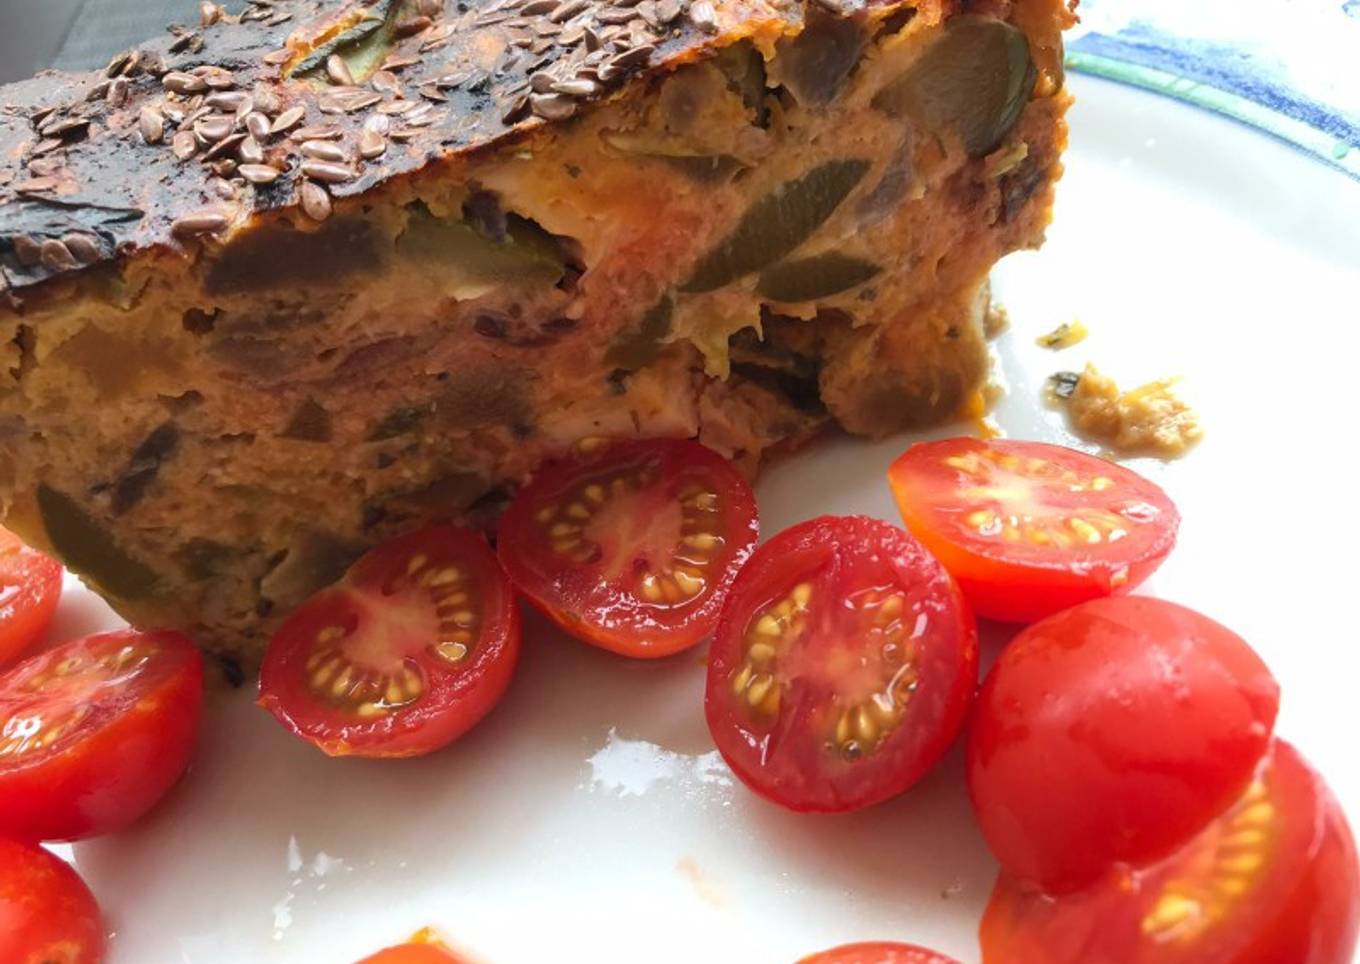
<point>1150,419</point>
<point>1064,336</point>
<point>975,411</point>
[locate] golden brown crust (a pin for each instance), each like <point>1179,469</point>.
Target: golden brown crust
<point>135,158</point>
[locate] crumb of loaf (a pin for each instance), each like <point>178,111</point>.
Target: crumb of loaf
<point>1148,420</point>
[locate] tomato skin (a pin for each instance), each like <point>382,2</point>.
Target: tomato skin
<point>1289,874</point>
<point>47,914</point>
<point>30,587</point>
<point>1017,581</point>
<point>878,952</point>
<point>414,953</point>
<point>117,769</point>
<point>1114,731</point>
<point>455,698</point>
<point>594,605</point>
<point>786,762</point>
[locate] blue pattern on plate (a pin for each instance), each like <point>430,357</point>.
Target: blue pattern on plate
<point>1289,67</point>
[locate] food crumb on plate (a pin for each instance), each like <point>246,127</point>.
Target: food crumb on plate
<point>707,890</point>
<point>1066,335</point>
<point>1148,420</point>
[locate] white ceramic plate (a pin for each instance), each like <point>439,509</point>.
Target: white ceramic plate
<point>589,818</point>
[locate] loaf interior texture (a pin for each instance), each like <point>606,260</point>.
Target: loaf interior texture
<point>279,287</point>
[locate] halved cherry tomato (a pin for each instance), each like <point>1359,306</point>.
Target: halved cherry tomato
<point>30,585</point>
<point>842,667</point>
<point>405,654</point>
<point>878,952</point>
<point>94,732</point>
<point>1029,529</point>
<point>1273,881</point>
<point>47,914</point>
<point>416,953</point>
<point>631,548</point>
<point>1114,731</point>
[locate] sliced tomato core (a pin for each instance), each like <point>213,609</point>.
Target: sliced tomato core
<point>842,666</point>
<point>631,546</point>
<point>1273,880</point>
<point>1028,529</point>
<point>408,651</point>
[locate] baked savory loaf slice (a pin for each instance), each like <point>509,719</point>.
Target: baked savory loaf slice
<point>281,286</point>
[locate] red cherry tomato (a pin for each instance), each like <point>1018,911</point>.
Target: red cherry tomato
<point>47,914</point>
<point>30,585</point>
<point>631,548</point>
<point>842,667</point>
<point>93,733</point>
<point>1111,732</point>
<point>878,952</point>
<point>1273,881</point>
<point>405,654</point>
<point>414,953</point>
<point>1029,529</point>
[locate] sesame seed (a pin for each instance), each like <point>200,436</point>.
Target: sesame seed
<point>704,16</point>
<point>633,57</point>
<point>371,144</point>
<point>287,119</point>
<point>259,173</point>
<point>151,125</point>
<point>228,101</point>
<point>338,70</point>
<point>56,256</point>
<point>576,88</point>
<point>201,222</point>
<point>667,10</point>
<point>184,144</point>
<point>410,26</point>
<point>84,247</point>
<point>316,132</point>
<point>250,151</point>
<point>258,125</point>
<point>385,82</point>
<point>553,107</point>
<point>328,172</point>
<point>324,151</point>
<point>213,128</point>
<point>224,146</point>
<point>568,9</point>
<point>316,201</point>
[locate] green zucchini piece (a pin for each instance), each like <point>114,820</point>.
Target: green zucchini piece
<point>777,224</point>
<point>89,549</point>
<point>819,276</point>
<point>976,79</point>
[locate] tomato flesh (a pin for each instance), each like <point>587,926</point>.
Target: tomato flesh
<point>30,586</point>
<point>95,732</point>
<point>411,649</point>
<point>47,914</point>
<point>415,952</point>
<point>1029,529</point>
<point>1114,731</point>
<point>842,667</point>
<point>1272,881</point>
<point>878,952</point>
<point>631,547</point>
